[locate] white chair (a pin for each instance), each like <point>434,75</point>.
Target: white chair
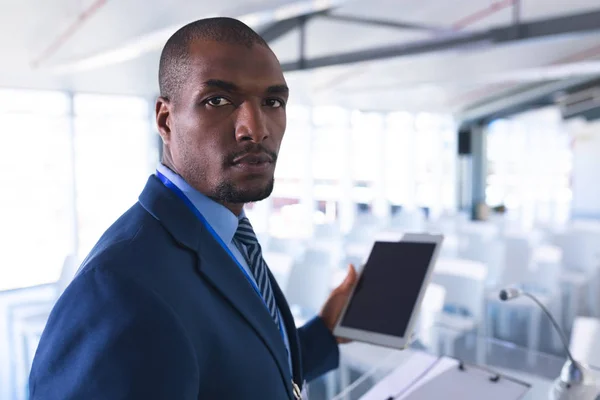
<point>26,312</point>
<point>431,309</point>
<point>575,287</point>
<point>326,231</point>
<point>464,283</point>
<point>328,237</point>
<point>580,244</point>
<point>309,282</point>
<point>585,340</point>
<point>289,246</point>
<point>365,227</point>
<point>478,241</point>
<point>581,247</point>
<point>280,265</point>
<point>451,247</point>
<point>446,223</point>
<point>544,273</point>
<point>408,220</point>
<point>535,270</point>
<point>518,252</point>
<point>545,267</point>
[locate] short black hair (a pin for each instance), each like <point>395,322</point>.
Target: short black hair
<point>174,59</point>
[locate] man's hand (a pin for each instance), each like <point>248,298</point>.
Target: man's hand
<point>337,300</point>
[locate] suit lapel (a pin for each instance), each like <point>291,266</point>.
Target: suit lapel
<point>217,267</point>
<point>290,327</point>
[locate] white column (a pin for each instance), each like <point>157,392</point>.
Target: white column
<point>73,197</point>
<point>410,168</point>
<point>347,209</point>
<point>381,205</point>
<point>261,212</point>
<point>307,196</point>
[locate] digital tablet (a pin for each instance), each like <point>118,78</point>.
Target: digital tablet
<point>385,302</point>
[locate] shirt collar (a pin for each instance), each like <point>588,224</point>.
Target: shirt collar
<point>220,218</point>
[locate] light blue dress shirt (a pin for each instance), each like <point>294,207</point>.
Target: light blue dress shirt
<point>223,222</point>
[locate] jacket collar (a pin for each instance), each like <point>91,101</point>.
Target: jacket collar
<point>217,267</point>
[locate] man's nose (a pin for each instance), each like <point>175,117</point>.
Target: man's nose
<point>251,123</point>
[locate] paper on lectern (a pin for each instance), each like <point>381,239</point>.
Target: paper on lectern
<point>425,377</point>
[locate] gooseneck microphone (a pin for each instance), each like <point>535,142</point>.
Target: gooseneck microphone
<point>576,382</point>
<point>513,293</point>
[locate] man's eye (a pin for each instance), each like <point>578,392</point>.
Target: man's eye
<point>274,103</point>
<point>218,101</point>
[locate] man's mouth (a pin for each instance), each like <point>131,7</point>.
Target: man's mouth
<point>254,163</point>
<point>253,159</point>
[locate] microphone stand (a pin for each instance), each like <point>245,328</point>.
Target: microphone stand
<point>576,380</point>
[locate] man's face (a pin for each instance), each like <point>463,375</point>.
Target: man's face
<point>228,120</point>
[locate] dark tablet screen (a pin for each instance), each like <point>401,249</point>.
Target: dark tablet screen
<point>387,291</point>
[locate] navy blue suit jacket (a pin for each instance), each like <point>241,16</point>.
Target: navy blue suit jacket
<point>159,310</point>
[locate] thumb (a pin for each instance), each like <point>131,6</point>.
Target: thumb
<point>350,279</point>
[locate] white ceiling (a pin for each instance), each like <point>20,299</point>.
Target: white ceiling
<point>443,81</point>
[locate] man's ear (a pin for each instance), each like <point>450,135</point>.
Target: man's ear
<point>163,119</point>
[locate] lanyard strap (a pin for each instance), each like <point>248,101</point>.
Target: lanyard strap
<point>170,185</point>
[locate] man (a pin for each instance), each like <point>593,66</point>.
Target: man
<point>175,300</point>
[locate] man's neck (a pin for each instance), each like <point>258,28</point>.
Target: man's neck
<point>235,208</point>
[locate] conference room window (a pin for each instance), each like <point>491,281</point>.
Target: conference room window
<point>368,165</point>
<point>330,151</point>
<point>295,148</point>
<point>399,159</point>
<point>420,160</point>
<point>113,146</point>
<point>435,138</point>
<point>529,167</point>
<point>36,205</point>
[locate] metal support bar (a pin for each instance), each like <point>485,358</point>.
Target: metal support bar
<point>516,12</point>
<point>279,29</point>
<point>400,50</point>
<point>478,168</point>
<point>577,23</point>
<point>302,43</point>
<point>518,101</point>
<point>386,23</point>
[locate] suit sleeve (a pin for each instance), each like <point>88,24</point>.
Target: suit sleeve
<point>110,338</point>
<point>319,349</point>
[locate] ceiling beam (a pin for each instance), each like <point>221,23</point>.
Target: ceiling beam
<point>547,28</point>
<point>386,23</point>
<point>521,99</point>
<point>280,28</point>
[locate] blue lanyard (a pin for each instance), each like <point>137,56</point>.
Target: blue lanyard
<point>170,185</point>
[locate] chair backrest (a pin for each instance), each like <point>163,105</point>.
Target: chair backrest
<point>518,251</point>
<point>581,248</point>
<point>479,236</point>
<point>292,247</point>
<point>433,301</point>
<point>464,283</point>
<point>544,271</point>
<point>482,245</point>
<point>280,265</point>
<point>585,342</point>
<point>409,220</point>
<point>326,231</point>
<point>310,279</point>
<point>431,307</point>
<point>451,246</point>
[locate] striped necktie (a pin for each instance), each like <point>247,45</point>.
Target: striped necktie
<point>245,236</point>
